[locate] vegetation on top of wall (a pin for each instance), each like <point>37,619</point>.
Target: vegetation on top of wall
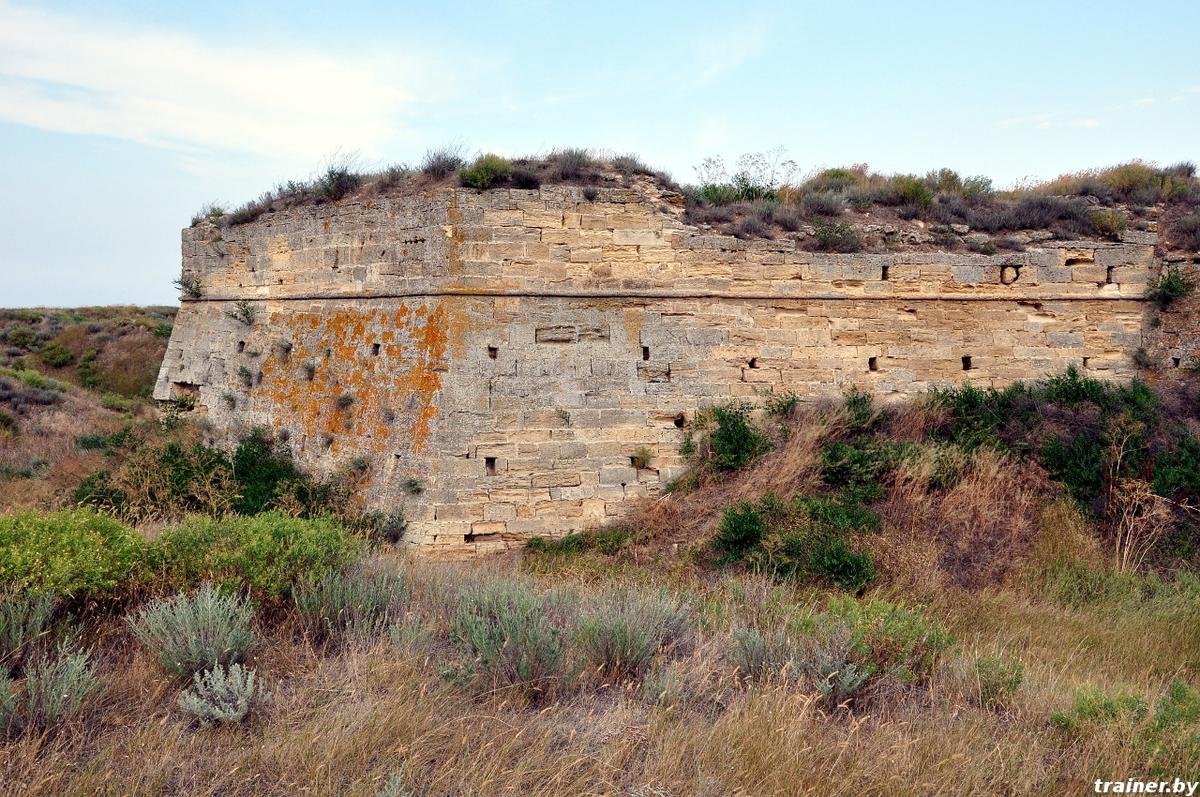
<point>764,195</point>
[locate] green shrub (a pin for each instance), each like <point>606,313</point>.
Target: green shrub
<point>191,633</point>
<point>267,554</point>
<point>1177,470</point>
<point>1109,223</point>
<point>25,621</point>
<point>1167,737</point>
<point>842,515</point>
<point>837,237</point>
<point>337,182</point>
<point>824,661</point>
<point>223,695</point>
<point>55,689</point>
<point>1170,286</point>
<point>1079,464</point>
<point>997,680</point>
<point>622,632</point>
<point>56,356</point>
<point>486,171</point>
<point>910,190</point>
<point>893,640</point>
<point>862,463</point>
<point>607,541</point>
<point>831,558</point>
<point>354,602</point>
<point>1093,707</point>
<point>572,543</point>
<point>263,473</point>
<point>76,554</point>
<point>8,425</point>
<point>8,703</point>
<point>742,529</point>
<point>20,336</point>
<point>736,441</point>
<point>505,628</point>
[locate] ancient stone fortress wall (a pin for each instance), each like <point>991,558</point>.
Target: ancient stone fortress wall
<point>507,353</point>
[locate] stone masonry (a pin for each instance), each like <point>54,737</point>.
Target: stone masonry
<point>498,358</point>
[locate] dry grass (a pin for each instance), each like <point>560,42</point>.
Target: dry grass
<point>344,719</point>
<point>971,533</point>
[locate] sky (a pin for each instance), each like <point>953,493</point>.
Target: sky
<point>118,121</point>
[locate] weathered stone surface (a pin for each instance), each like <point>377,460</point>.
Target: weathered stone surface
<point>510,351</point>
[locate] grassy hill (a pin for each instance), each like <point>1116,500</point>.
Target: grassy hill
<point>979,592</point>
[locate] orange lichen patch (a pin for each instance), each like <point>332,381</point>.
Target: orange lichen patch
<point>380,398</point>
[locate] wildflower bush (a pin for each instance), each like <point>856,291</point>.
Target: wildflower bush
<point>76,554</point>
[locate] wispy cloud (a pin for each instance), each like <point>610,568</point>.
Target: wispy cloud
<point>728,49</point>
<point>78,75</point>
<point>1046,121</point>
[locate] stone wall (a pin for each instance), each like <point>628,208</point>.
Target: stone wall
<point>507,353</point>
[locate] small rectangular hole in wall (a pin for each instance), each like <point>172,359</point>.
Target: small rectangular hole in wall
<point>489,465</point>
<point>1108,275</point>
<point>493,352</point>
<point>872,363</point>
<point>753,362</point>
<point>1086,360</point>
<point>241,346</point>
<point>887,272</point>
<point>374,349</point>
<point>1175,362</point>
<point>645,352</point>
<point>680,420</point>
<point>966,362</point>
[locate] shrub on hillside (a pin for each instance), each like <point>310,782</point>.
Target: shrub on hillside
<point>55,690</point>
<point>1167,736</point>
<point>191,633</point>
<point>441,163</point>
<point>621,633</point>
<point>76,554</point>
<point>223,695</point>
<point>506,630</point>
<point>354,602</point>
<point>1185,233</point>
<point>831,558</point>
<point>735,441</point>
<point>486,171</point>
<point>25,621</point>
<point>1171,285</point>
<point>997,680</point>
<point>837,237</point>
<point>894,641</point>
<point>1109,223</point>
<point>743,527</point>
<point>268,554</point>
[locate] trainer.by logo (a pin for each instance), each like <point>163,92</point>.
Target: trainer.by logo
<point>1131,786</point>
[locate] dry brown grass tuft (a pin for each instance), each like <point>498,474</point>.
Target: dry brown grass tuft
<point>975,531</point>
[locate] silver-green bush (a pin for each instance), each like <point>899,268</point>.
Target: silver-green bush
<point>223,695</point>
<point>8,703</point>
<point>191,633</point>
<point>24,620</point>
<point>505,627</point>
<point>623,631</point>
<point>354,602</point>
<point>55,689</point>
